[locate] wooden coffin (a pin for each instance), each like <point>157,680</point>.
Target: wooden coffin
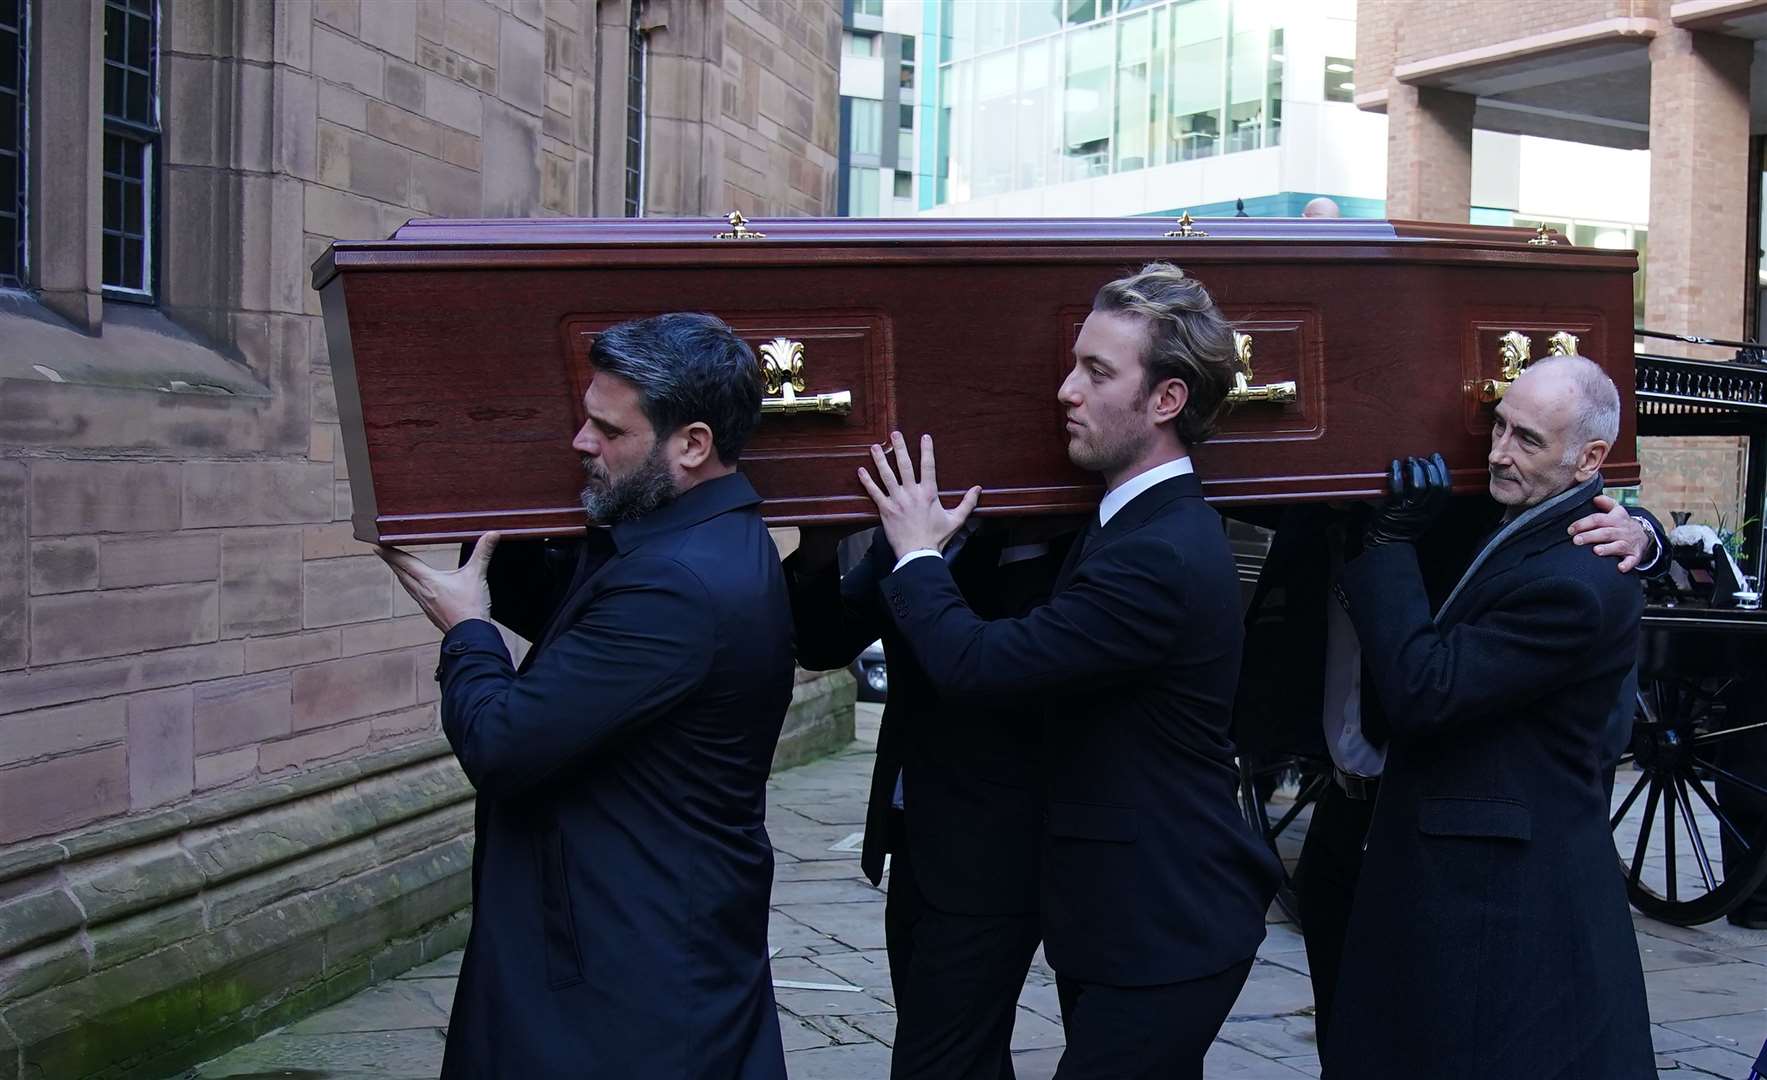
<point>459,351</point>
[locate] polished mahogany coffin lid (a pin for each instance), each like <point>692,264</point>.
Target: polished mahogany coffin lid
<point>459,350</point>
<point>437,243</point>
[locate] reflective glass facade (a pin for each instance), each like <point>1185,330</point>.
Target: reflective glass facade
<point>1044,91</point>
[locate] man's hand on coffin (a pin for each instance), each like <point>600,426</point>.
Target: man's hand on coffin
<point>912,516</point>
<point>1615,534</point>
<point>448,597</point>
<point>1417,492</point>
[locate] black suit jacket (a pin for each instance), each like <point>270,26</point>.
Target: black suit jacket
<point>622,867</point>
<point>1150,874</point>
<point>971,774</point>
<point>1490,936</point>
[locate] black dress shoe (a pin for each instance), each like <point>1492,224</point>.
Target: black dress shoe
<point>1749,920</point>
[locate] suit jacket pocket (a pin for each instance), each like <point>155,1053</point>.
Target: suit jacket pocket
<point>1501,819</point>
<point>1093,821</point>
<point>564,965</point>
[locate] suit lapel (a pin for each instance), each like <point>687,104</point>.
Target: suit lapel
<point>1139,511</point>
<point>1532,533</point>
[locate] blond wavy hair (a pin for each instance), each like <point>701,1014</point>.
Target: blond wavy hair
<point>1187,339</point>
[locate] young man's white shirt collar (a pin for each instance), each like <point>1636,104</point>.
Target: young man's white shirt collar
<point>1115,499</point>
<point>1124,493</point>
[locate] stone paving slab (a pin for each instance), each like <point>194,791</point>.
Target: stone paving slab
<point>443,967</point>
<point>393,1055</point>
<point>396,1005</point>
<point>1710,1061</point>
<point>1707,985</point>
<point>1742,1032</point>
<point>1715,990</point>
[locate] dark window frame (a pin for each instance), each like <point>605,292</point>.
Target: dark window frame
<point>15,205</point>
<point>637,55</point>
<point>130,168</point>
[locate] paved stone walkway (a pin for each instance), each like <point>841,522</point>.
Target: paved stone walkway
<point>1708,986</point>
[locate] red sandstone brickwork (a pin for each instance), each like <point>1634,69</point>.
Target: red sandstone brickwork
<point>1375,29</point>
<point>1699,250</point>
<point>182,607</point>
<point>1703,476</point>
<point>1699,261</point>
<point>1427,29</point>
<point>1429,153</point>
<point>745,106</point>
<point>1699,178</point>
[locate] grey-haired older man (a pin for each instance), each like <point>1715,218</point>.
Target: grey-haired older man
<point>1489,936</point>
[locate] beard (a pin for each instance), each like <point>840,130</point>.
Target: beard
<point>1111,443</point>
<point>609,500</point>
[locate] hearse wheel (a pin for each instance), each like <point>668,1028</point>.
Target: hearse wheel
<point>1670,823</point>
<point>1264,800</point>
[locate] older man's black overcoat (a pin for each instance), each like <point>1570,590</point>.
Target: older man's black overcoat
<point>622,872</point>
<point>1490,938</point>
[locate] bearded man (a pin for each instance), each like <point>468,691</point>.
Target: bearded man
<point>622,868</point>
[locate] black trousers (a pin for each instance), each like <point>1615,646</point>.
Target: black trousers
<point>1325,882</point>
<point>956,979</point>
<point>1144,1032</point>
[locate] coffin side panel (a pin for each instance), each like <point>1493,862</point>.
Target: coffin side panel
<point>471,379</point>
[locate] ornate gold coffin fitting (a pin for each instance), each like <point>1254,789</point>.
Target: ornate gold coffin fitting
<point>1186,229</point>
<point>782,364</point>
<point>1244,391</point>
<point>739,229</point>
<point>1513,355</point>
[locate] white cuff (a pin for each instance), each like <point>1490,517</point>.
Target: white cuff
<point>917,553</point>
<point>1656,543</point>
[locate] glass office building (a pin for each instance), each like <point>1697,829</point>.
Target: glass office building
<point>1041,92</point>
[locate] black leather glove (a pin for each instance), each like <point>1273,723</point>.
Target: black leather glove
<point>1417,491</point>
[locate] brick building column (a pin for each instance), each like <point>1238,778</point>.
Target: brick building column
<point>1699,182</point>
<point>1697,268</point>
<point>1429,153</point>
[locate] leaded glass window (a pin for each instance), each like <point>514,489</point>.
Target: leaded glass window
<point>131,145</point>
<point>12,142</point>
<point>635,60</point>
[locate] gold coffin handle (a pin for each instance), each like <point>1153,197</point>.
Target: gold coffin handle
<point>1244,391</point>
<point>838,403</point>
<point>1513,354</point>
<point>782,366</point>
